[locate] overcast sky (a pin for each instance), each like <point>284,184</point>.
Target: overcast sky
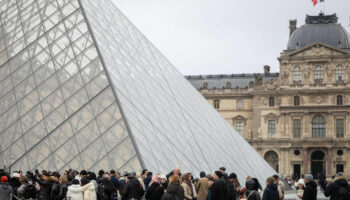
<point>223,36</point>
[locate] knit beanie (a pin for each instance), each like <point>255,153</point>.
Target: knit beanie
<point>4,179</point>
<point>308,177</point>
<point>219,174</point>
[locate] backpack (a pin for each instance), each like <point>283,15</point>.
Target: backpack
<point>29,191</point>
<point>344,193</point>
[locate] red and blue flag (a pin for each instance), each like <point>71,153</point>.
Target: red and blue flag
<point>316,1</point>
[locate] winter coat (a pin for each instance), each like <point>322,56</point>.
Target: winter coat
<point>45,191</point>
<point>55,191</point>
<point>187,191</point>
<point>271,192</point>
<point>310,192</point>
<point>133,189</point>
<point>146,182</point>
<point>176,191</point>
<point>115,182</point>
<point>300,193</point>
<point>332,189</point>
<point>219,190</point>
<point>251,192</point>
<point>202,186</point>
<point>6,191</point>
<point>154,192</point>
<point>90,192</point>
<point>75,192</point>
<point>63,191</point>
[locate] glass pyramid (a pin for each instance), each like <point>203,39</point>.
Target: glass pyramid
<point>82,88</point>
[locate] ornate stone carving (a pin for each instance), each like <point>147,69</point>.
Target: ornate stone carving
<point>228,85</point>
<point>271,116</point>
<point>307,72</point>
<point>258,79</point>
<point>239,118</point>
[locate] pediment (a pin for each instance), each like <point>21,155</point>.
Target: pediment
<point>239,118</point>
<point>271,116</point>
<point>317,49</point>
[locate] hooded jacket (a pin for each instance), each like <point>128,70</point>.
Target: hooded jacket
<point>90,192</point>
<point>310,192</point>
<point>252,190</point>
<point>332,189</point>
<point>6,191</point>
<point>75,192</point>
<point>271,192</point>
<point>133,189</point>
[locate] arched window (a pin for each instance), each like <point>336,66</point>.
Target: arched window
<point>216,103</point>
<point>271,101</point>
<point>296,101</point>
<point>339,100</point>
<point>318,74</point>
<point>297,74</point>
<point>318,127</point>
<point>339,73</point>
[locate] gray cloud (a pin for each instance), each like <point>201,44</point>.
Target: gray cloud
<point>223,36</point>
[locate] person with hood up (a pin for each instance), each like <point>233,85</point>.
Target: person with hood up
<point>133,189</point>
<point>310,192</point>
<point>219,189</point>
<point>271,192</point>
<point>251,192</point>
<point>202,186</point>
<point>338,188</point>
<point>300,189</point>
<point>89,193</point>
<point>155,190</point>
<point>6,191</point>
<point>174,191</point>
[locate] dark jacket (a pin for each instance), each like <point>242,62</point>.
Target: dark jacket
<point>332,189</point>
<point>176,191</point>
<point>232,193</point>
<point>55,191</point>
<point>155,192</point>
<point>115,182</point>
<point>252,190</point>
<point>63,191</point>
<point>219,190</point>
<point>310,192</point>
<point>6,191</point>
<point>133,189</point>
<point>271,192</point>
<point>45,191</point>
<point>147,181</point>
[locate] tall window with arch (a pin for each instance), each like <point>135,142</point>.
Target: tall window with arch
<point>318,127</point>
<point>339,100</point>
<point>339,73</point>
<point>318,74</point>
<point>216,103</point>
<point>297,74</point>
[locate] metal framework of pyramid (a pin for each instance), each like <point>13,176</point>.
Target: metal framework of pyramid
<point>82,88</point>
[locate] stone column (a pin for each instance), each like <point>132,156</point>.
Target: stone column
<point>305,160</point>
<point>329,162</point>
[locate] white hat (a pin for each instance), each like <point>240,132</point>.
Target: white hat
<point>15,175</point>
<point>162,176</point>
<point>302,182</point>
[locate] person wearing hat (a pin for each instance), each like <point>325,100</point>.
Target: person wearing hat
<point>133,189</point>
<point>202,186</point>
<point>219,189</point>
<point>300,189</point>
<point>164,181</point>
<point>6,190</point>
<point>310,192</point>
<point>155,190</point>
<point>338,188</point>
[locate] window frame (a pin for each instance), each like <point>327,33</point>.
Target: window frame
<point>239,103</point>
<point>339,100</point>
<point>339,72</point>
<point>216,103</point>
<point>271,128</point>
<point>240,129</point>
<point>318,74</point>
<point>340,130</point>
<point>297,130</point>
<point>271,101</point>
<point>318,126</point>
<point>296,100</point>
<point>296,74</point>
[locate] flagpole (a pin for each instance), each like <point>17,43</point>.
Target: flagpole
<point>324,7</point>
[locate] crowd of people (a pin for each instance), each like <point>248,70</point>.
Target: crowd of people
<point>86,185</point>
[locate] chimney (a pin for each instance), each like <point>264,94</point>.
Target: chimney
<point>266,69</point>
<point>292,26</point>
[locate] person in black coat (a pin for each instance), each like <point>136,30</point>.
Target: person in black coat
<point>132,189</point>
<point>155,190</point>
<point>310,192</point>
<point>332,189</point>
<point>271,192</point>
<point>46,186</point>
<point>219,189</point>
<point>175,191</point>
<point>252,190</point>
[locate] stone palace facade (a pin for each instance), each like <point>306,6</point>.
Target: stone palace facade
<point>297,119</point>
